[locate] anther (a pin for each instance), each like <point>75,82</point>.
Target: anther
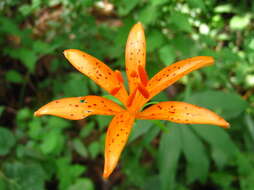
<point>131,97</point>
<point>119,76</point>
<point>114,91</point>
<point>143,91</point>
<point>142,75</point>
<point>134,74</point>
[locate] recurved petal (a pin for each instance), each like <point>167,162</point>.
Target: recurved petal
<point>174,72</point>
<point>117,136</point>
<point>97,71</point>
<point>76,108</point>
<point>135,55</point>
<point>181,112</point>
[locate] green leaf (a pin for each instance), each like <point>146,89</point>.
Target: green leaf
<point>29,176</point>
<point>75,85</point>
<point>158,2</point>
<point>87,129</point>
<point>184,45</point>
<point>245,171</point>
<point>103,120</point>
<point>194,152</point>
<point>240,22</point>
<point>25,10</point>
<point>152,183</point>
<point>229,105</point>
<point>9,26</point>
<point>58,123</point>
<point>167,54</point>
<point>7,141</point>
<point>226,8</point>
<point>53,142</point>
<point>155,39</point>
<point>250,124</point>
<point>82,183</point>
<point>181,21</point>
<point>222,145</point>
<point>94,149</point>
<point>224,179</point>
<point>126,6</point>
<point>140,128</point>
<point>1,110</point>
<point>80,148</point>
<point>13,76</point>
<point>67,173</point>
<point>197,4</point>
<point>35,129</point>
<point>27,56</point>
<point>42,48</point>
<point>169,153</point>
<point>23,115</point>
<point>148,15</point>
<point>113,98</point>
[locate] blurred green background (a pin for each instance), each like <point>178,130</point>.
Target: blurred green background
<point>53,153</point>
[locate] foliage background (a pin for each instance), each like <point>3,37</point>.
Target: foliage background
<point>53,153</point>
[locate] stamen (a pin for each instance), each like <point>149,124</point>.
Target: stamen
<point>114,91</point>
<point>119,76</point>
<point>143,91</point>
<point>131,97</point>
<point>142,75</point>
<point>134,74</point>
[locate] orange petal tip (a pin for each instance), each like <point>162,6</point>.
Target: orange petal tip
<point>105,175</point>
<point>225,124</point>
<point>36,114</point>
<point>209,60</point>
<point>66,52</point>
<point>40,112</point>
<point>139,24</point>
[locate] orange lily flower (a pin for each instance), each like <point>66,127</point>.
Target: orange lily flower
<point>141,90</point>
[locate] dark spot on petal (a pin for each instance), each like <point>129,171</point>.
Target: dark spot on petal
<point>159,107</point>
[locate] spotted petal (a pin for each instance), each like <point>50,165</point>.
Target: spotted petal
<point>97,71</point>
<point>174,72</point>
<point>135,55</point>
<point>181,112</point>
<point>79,107</point>
<point>117,136</point>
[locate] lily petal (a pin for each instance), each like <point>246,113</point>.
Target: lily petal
<point>97,71</point>
<point>135,55</point>
<point>181,112</point>
<point>174,72</point>
<point>76,108</point>
<point>117,136</point>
